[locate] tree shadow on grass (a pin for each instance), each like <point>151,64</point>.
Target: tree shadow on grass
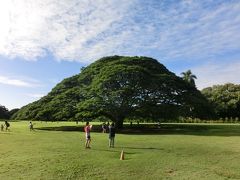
<point>143,148</point>
<point>105,150</point>
<point>118,151</point>
<point>62,128</point>
<point>186,129</point>
<point>6,132</point>
<point>113,150</point>
<point>166,129</point>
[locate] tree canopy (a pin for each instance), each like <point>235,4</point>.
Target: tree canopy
<point>119,87</point>
<point>4,113</point>
<point>225,99</point>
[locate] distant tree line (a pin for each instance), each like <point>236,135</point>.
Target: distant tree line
<point>118,88</point>
<point>225,100</point>
<point>5,113</point>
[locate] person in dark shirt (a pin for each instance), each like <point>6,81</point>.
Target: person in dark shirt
<point>2,127</point>
<point>111,135</point>
<point>104,128</point>
<point>107,127</point>
<point>7,125</point>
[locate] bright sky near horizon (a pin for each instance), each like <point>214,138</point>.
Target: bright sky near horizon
<point>43,42</point>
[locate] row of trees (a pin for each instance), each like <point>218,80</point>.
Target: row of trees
<point>225,99</point>
<point>117,88</point>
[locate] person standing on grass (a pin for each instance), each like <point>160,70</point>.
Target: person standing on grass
<point>104,128</point>
<point>7,125</point>
<point>2,127</point>
<point>31,126</point>
<point>87,130</point>
<point>111,135</point>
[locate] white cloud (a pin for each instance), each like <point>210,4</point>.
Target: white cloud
<point>37,96</point>
<point>65,28</point>
<point>17,82</point>
<point>197,30</point>
<point>217,73</point>
<point>84,30</point>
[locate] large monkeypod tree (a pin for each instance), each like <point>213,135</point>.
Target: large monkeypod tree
<point>117,88</point>
<point>123,87</point>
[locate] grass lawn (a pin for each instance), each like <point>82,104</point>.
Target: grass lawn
<point>176,151</point>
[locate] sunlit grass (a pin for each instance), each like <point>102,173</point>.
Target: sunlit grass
<point>177,151</point>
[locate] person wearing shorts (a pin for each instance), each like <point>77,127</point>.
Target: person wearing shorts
<point>87,130</point>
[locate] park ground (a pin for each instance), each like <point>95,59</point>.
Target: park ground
<point>175,151</point>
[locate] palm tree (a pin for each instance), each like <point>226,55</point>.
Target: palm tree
<point>189,77</point>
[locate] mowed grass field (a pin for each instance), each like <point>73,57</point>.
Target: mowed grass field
<point>176,151</point>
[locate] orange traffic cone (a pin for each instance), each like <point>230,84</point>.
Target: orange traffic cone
<point>122,155</point>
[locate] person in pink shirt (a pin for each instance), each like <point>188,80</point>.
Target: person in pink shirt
<point>87,130</point>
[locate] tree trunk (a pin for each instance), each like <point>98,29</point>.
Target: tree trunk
<point>119,122</point>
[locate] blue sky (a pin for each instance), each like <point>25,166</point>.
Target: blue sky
<point>43,42</point>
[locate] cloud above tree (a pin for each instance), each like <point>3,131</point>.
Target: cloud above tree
<point>84,30</point>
